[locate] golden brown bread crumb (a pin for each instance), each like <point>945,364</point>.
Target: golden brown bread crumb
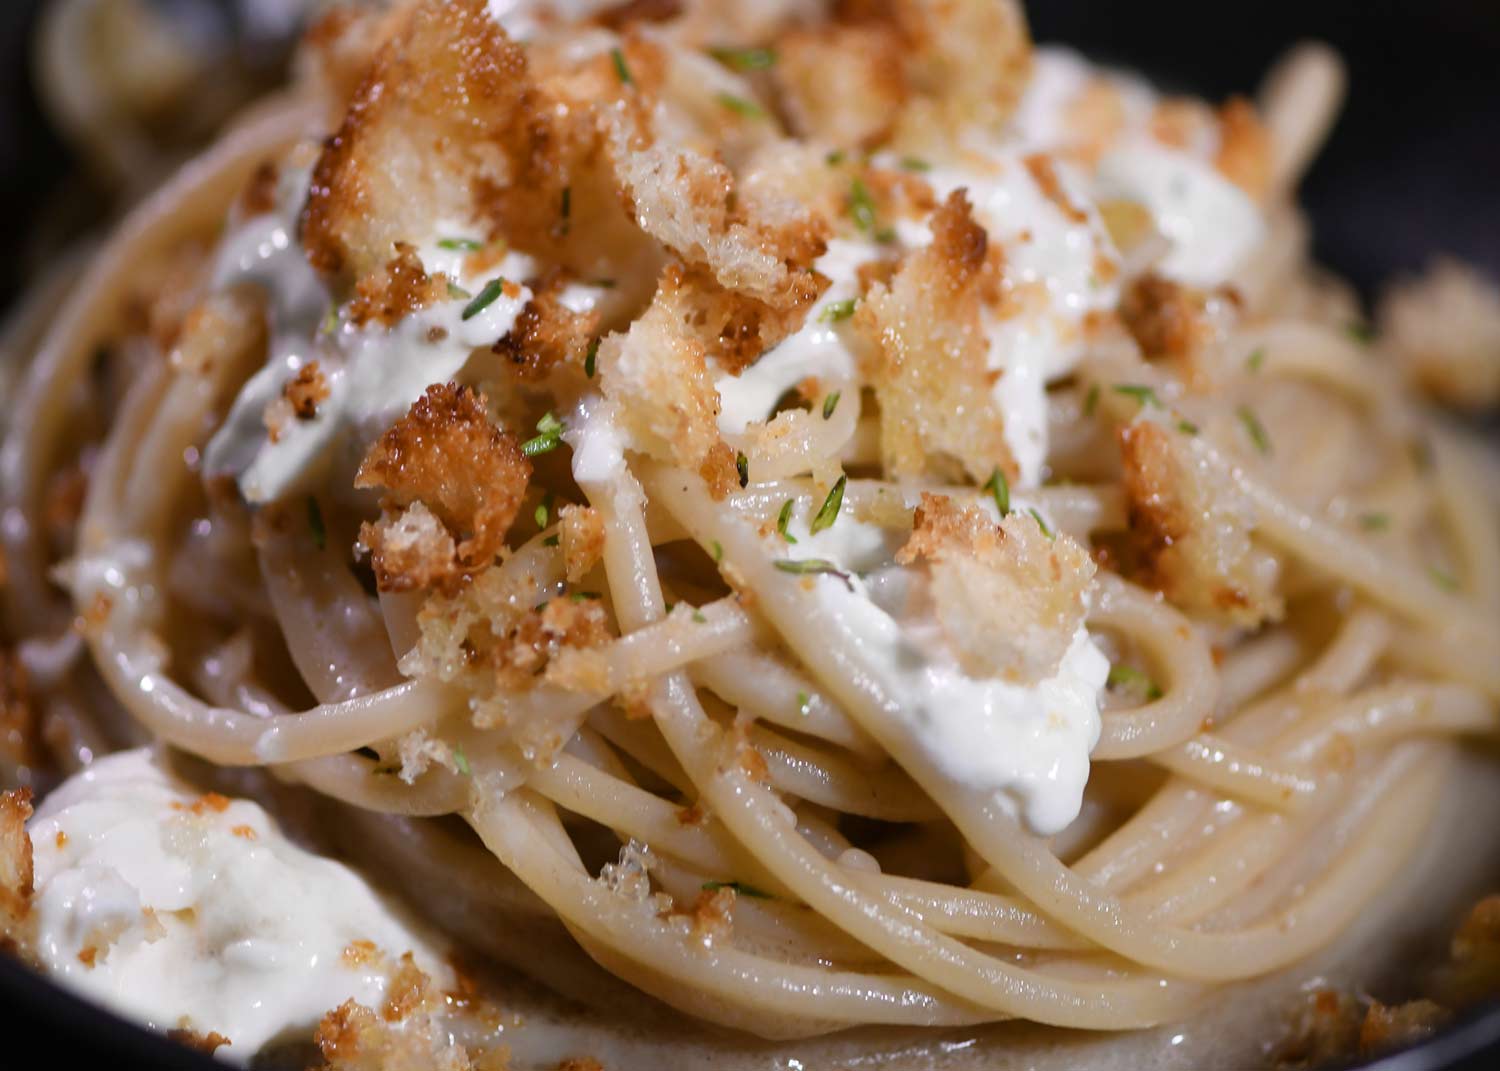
<point>410,550</point>
<point>200,1042</point>
<point>1398,1026</point>
<point>394,291</point>
<point>928,353</point>
<point>20,726</point>
<point>1043,171</point>
<point>306,390</point>
<point>631,11</point>
<point>842,84</point>
<point>582,531</point>
<point>259,195</point>
<point>446,454</point>
<point>547,334</point>
<point>16,874</point>
<point>1009,597</point>
<point>1244,148</point>
<point>710,916</point>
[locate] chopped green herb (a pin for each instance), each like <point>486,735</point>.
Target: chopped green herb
<point>699,618</point>
<point>584,596</point>
<point>813,567</point>
<point>835,157</point>
<point>783,518</point>
<point>998,486</point>
<point>718,550</point>
<point>1374,522</point>
<point>915,163</point>
<point>1143,395</point>
<point>804,703</point>
<point>831,403</point>
<point>829,511</point>
<point>1049,533</point>
<point>1254,428</point>
<point>457,293</point>
<point>1130,679</point>
<point>1256,359</point>
<point>1360,332</point>
<point>861,206</point>
<point>459,245</point>
<point>549,435</point>
<point>543,511</point>
<point>739,888</point>
<point>315,522</point>
<point>836,311</point>
<point>461,761</point>
<point>742,469</point>
<point>1091,400</point>
<point>330,322</point>
<point>746,109</point>
<point>885,235</point>
<point>591,361</point>
<point>1444,579</point>
<point>622,71</point>
<point>745,59</point>
<point>485,298</point>
<point>1187,427</point>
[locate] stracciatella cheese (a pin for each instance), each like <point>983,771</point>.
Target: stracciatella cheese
<point>191,912</point>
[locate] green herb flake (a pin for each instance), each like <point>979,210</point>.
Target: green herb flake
<point>1091,400</point>
<point>745,109</point>
<point>784,518</point>
<point>804,704</point>
<point>914,163</point>
<point>1187,427</point>
<point>591,361</point>
<point>745,59</point>
<point>1255,429</point>
<point>831,403</point>
<point>717,549</point>
<point>1130,679</point>
<point>861,206</point>
<point>543,511</point>
<point>485,298</point>
<point>1442,578</point>
<point>1256,359</point>
<point>838,310</point>
<point>742,469</point>
<point>330,322</point>
<point>548,437</point>
<point>1049,533</point>
<point>460,245</point>
<point>621,70</point>
<point>699,618</point>
<point>829,511</point>
<point>461,761</point>
<point>1360,332</point>
<point>316,525</point>
<point>813,567</point>
<point>835,157</point>
<point>585,596</point>
<point>999,487</point>
<point>1374,522</point>
<point>739,888</point>
<point>1142,394</point>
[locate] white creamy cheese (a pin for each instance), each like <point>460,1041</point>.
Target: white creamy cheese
<point>1028,745</point>
<point>201,918</point>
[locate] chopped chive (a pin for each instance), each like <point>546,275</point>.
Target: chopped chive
<point>591,361</point>
<point>1129,678</point>
<point>804,704</point>
<point>549,424</point>
<point>998,486</point>
<point>622,71</point>
<point>1143,395</point>
<point>1374,522</point>
<point>1360,332</point>
<point>1254,428</point>
<point>1049,533</point>
<point>914,163</point>
<point>461,761</point>
<point>836,311</point>
<point>699,618</point>
<point>745,59</point>
<point>1187,427</point>
<point>829,511</point>
<point>543,511</point>
<point>746,109</point>
<point>1091,400</point>
<point>831,403</point>
<point>861,206</point>
<point>457,293</point>
<point>484,299</point>
<point>330,322</point>
<point>1256,359</point>
<point>1444,579</point>
<point>784,518</point>
<point>315,522</point>
<point>549,435</point>
<point>718,550</point>
<point>459,245</point>
<point>885,235</point>
<point>584,596</point>
<point>739,888</point>
<point>813,567</point>
<point>835,157</point>
<point>742,469</point>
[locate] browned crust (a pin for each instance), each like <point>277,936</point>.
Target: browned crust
<point>547,335</point>
<point>198,1041</point>
<point>396,290</point>
<point>306,390</point>
<point>16,874</point>
<point>582,540</point>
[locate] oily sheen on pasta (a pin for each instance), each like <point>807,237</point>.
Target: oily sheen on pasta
<point>866,520</point>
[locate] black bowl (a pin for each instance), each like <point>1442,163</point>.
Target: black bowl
<point>1409,174</point>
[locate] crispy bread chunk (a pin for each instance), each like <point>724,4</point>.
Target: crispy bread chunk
<point>446,454</point>
<point>16,875</point>
<point>1444,329</point>
<point>391,293</point>
<point>1193,537</point>
<point>306,390</point>
<point>929,353</point>
<point>547,334</point>
<point>1009,597</point>
<point>582,540</point>
<point>411,550</point>
<point>844,85</point>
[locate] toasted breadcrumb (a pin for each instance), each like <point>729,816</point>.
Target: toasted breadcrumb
<point>929,352</point>
<point>1398,1026</point>
<point>410,550</point>
<point>547,335</point>
<point>1178,324</point>
<point>1192,535</point>
<point>1444,329</point>
<point>580,1063</point>
<point>1009,598</point>
<point>469,473</point>
<point>842,84</point>
<point>20,726</point>
<point>582,530</point>
<point>1244,148</point>
<point>710,916</point>
<point>259,195</point>
<point>395,290</point>
<point>198,1041</point>
<point>16,874</point>
<point>306,390</point>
